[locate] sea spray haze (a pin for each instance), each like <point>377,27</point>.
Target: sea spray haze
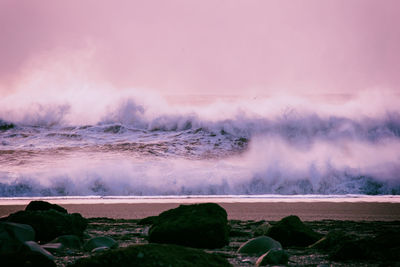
<point>199,98</point>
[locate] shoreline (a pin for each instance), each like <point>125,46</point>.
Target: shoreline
<point>269,211</point>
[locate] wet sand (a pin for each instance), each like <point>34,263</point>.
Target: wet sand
<point>307,211</point>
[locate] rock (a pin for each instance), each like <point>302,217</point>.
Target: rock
<point>199,225</point>
<point>100,241</point>
<point>68,241</point>
<point>28,254</point>
<point>99,249</point>
<point>13,235</point>
<point>35,247</point>
<point>262,229</point>
<point>43,205</point>
<point>49,224</point>
<point>148,220</point>
<point>53,247</point>
<point>20,232</point>
<point>385,246</point>
<point>259,245</point>
<point>331,241</point>
<point>274,256</point>
<point>290,231</point>
<point>26,258</point>
<point>152,255</point>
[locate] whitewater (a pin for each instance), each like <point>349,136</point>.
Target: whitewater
<point>105,144</point>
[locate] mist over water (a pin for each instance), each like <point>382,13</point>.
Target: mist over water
<point>98,141</point>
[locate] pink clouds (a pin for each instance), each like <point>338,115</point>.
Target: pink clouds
<point>212,46</point>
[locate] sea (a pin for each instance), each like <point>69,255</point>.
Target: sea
<point>144,147</point>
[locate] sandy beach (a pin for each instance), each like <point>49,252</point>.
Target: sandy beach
<point>307,211</point>
<point>355,219</point>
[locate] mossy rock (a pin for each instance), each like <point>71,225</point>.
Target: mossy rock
<point>43,205</point>
<point>199,225</point>
<point>291,231</point>
<point>49,224</point>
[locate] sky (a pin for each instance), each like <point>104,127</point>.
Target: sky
<point>203,47</point>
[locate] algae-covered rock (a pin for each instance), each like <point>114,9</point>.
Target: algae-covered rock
<point>43,205</point>
<point>49,224</point>
<point>291,231</point>
<point>200,225</point>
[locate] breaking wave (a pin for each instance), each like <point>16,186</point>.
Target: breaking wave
<point>141,146</point>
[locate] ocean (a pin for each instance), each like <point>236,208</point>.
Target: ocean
<point>149,147</point>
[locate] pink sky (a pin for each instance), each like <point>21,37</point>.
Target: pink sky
<point>209,46</point>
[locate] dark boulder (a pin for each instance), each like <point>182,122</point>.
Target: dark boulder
<point>49,224</point>
<point>385,246</point>
<point>27,253</point>
<point>152,255</point>
<point>332,241</point>
<point>20,232</point>
<point>291,231</point>
<point>199,225</point>
<point>43,205</point>
<point>148,220</point>
<point>13,236</point>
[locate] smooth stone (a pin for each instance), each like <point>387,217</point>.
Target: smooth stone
<point>274,256</point>
<point>100,241</point>
<point>259,245</point>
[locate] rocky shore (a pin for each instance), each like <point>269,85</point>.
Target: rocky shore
<point>45,234</point>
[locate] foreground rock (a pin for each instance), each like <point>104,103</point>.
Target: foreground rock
<point>331,241</point>
<point>200,226</point>
<point>385,246</point>
<point>49,224</point>
<point>152,255</point>
<point>259,246</point>
<point>43,205</point>
<point>290,231</point>
<point>273,256</point>
<point>28,254</point>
